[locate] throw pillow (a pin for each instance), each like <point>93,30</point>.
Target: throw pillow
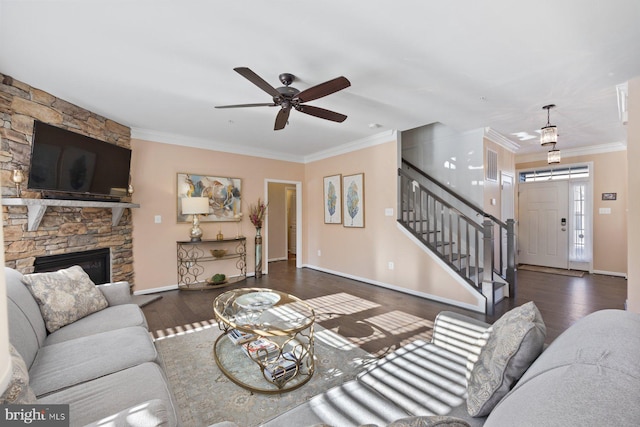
<point>430,421</point>
<point>64,296</point>
<point>18,391</point>
<point>514,342</point>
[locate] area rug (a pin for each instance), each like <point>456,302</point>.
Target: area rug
<point>559,271</point>
<point>206,396</point>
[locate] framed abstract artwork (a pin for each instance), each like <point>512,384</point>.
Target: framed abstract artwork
<point>225,196</point>
<point>332,200</point>
<point>353,200</point>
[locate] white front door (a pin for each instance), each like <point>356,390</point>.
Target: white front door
<point>543,226</point>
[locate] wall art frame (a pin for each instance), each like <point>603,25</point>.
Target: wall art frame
<point>353,200</point>
<point>224,193</point>
<point>332,199</point>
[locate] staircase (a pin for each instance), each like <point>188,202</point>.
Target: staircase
<point>475,245</point>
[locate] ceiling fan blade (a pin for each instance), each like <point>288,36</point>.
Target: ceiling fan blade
<point>322,113</point>
<point>281,118</point>
<point>257,80</point>
<point>323,89</point>
<point>266,104</point>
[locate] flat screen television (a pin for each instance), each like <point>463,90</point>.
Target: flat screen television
<point>65,163</point>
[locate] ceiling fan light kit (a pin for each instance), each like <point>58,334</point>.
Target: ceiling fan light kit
<point>287,97</point>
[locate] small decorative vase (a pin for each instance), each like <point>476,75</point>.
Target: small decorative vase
<point>258,272</point>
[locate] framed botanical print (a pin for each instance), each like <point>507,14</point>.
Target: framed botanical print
<point>353,199</point>
<point>332,200</point>
<point>224,196</point>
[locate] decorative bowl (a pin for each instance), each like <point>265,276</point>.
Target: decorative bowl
<point>218,253</point>
<point>217,279</point>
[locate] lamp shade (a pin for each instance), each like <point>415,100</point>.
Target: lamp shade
<point>195,205</point>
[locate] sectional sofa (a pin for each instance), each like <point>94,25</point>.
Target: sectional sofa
<point>86,346</point>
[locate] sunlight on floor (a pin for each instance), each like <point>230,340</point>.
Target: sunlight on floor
<point>355,327</point>
<point>342,304</point>
<point>184,329</point>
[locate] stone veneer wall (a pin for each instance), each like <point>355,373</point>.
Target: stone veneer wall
<point>63,229</point>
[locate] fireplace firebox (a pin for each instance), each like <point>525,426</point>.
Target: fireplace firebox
<point>96,263</point>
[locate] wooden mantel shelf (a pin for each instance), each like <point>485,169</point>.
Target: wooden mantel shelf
<point>37,207</point>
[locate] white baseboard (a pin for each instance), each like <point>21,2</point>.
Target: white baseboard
<point>610,273</point>
<point>398,288</point>
<point>155,290</point>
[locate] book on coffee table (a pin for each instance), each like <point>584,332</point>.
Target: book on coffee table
<point>239,337</point>
<point>260,349</point>
<point>283,367</point>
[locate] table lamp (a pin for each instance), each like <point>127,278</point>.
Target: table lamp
<point>195,206</point>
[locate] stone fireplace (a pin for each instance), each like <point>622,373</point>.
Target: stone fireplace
<point>62,229</point>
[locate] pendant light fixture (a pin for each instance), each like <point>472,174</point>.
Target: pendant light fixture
<point>549,133</point>
<point>553,156</point>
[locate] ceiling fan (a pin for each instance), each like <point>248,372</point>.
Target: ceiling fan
<point>287,97</point>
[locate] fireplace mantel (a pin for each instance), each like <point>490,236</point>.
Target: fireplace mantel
<point>37,207</point>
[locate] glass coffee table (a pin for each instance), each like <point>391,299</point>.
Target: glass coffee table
<point>267,340</point>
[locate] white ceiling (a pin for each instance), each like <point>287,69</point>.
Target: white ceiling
<point>160,67</point>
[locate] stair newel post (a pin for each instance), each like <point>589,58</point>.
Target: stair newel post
<point>511,258</point>
<point>487,266</point>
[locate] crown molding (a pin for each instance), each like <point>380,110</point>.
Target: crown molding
<point>574,152</point>
<point>501,140</point>
<point>370,141</point>
<point>206,144</point>
<point>174,139</point>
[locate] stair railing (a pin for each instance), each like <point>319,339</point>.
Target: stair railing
<point>469,248</point>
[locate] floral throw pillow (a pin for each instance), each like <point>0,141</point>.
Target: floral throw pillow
<point>64,296</point>
<point>18,391</point>
<point>513,343</point>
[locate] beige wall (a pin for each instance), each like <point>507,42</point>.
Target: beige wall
<point>633,162</point>
<point>359,253</point>
<point>609,231</point>
<point>154,169</point>
<point>365,252</point>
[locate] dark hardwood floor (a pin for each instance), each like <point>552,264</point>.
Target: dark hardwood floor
<point>379,320</point>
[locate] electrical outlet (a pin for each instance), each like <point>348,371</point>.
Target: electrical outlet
<point>157,219</point>
<point>391,265</point>
<point>319,252</point>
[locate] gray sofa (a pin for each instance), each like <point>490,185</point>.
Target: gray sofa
<point>104,365</point>
<point>588,376</point>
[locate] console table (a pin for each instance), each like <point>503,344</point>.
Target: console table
<point>193,256</point>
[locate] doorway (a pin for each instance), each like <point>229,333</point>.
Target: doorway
<point>284,219</point>
<point>544,211</point>
<point>292,221</point>
<point>555,226</point>
<point>507,210</point>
